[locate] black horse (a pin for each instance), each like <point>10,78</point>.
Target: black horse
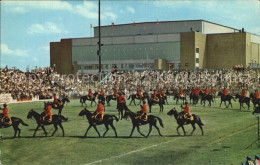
<point>107,120</point>
<point>58,106</point>
<point>194,98</point>
<point>15,123</point>
<point>254,100</point>
<point>225,99</point>
<point>205,98</point>
<point>56,121</point>
<point>256,110</point>
<point>109,98</point>
<point>243,100</point>
<point>136,122</point>
<point>134,96</point>
<point>181,121</point>
<point>152,102</point>
<point>83,99</point>
<point>177,97</point>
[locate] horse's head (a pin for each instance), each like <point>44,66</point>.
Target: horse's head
<point>83,112</point>
<point>127,113</point>
<point>67,99</point>
<point>237,96</point>
<point>172,112</point>
<point>95,94</point>
<point>251,95</point>
<point>219,93</point>
<point>30,114</point>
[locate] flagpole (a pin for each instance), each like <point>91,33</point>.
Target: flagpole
<point>99,40</point>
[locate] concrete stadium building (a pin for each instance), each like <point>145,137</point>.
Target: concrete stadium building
<point>189,44</point>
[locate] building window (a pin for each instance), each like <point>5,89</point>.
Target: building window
<point>197,50</point>
<point>197,60</point>
<point>186,64</point>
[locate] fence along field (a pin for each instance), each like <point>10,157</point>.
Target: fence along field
<point>227,134</point>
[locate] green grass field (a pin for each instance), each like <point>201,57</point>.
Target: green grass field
<point>227,134</point>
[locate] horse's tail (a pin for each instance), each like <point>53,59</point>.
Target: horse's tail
<point>113,116</point>
<point>81,99</point>
<point>63,118</point>
<point>129,97</point>
<point>233,98</point>
<point>199,121</point>
<point>23,123</point>
<point>160,121</point>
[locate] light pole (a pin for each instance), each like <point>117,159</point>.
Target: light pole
<point>99,40</point>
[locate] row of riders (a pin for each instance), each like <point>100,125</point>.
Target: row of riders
<point>141,118</point>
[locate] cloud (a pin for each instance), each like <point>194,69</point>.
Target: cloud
<point>15,52</point>
<point>46,28</point>
<point>130,9</point>
<point>86,9</point>
<point>17,9</point>
<point>45,48</point>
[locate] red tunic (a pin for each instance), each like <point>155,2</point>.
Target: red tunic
<point>100,109</point>
<point>48,111</point>
<point>121,99</point>
<point>187,109</point>
<point>207,91</point>
<point>115,92</point>
<point>144,109</point>
<point>89,92</point>
<point>256,95</point>
<point>196,92</point>
<point>212,90</point>
<point>225,92</point>
<point>243,94</point>
<point>102,93</point>
<point>5,112</point>
<point>138,92</point>
<point>161,92</point>
<point>192,91</point>
<point>154,94</point>
<point>55,99</point>
<point>181,92</point>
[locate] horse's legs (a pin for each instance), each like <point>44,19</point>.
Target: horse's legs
<point>56,128</point>
<point>132,131</point>
<point>138,129</point>
<point>220,103</point>
<point>87,130</point>
<point>193,126</point>
<point>113,128</point>
<point>106,130</point>
<point>60,109</point>
<point>36,130</point>
<point>61,127</point>
<point>96,130</point>
<point>201,129</point>
<point>130,102</point>
<point>15,130</point>
<point>183,130</point>
<point>178,130</point>
<point>134,101</point>
<point>150,129</point>
<point>230,104</point>
<point>166,101</point>
<point>43,128</point>
<point>157,129</point>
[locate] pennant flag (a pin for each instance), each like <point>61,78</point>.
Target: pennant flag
<point>158,22</point>
<point>134,24</point>
<point>91,26</point>
<point>113,24</point>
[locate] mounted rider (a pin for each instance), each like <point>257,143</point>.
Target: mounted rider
<point>181,92</point>
<point>56,101</point>
<point>115,94</point>
<point>225,92</point>
<point>143,114</point>
<point>256,94</point>
<point>155,97</point>
<point>99,113</point>
<point>138,93</point>
<point>90,94</point>
<point>186,111</point>
<point>47,115</point>
<point>206,91</point>
<point>243,94</point>
<point>4,117</point>
<point>161,92</point>
<point>212,91</point>
<point>121,102</point>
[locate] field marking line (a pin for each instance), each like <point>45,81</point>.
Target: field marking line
<point>131,152</point>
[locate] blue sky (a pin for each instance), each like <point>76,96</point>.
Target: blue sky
<point>27,27</point>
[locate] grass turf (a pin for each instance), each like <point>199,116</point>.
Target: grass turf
<point>227,134</point>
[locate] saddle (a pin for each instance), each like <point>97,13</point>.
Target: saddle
<point>46,119</point>
<point>142,117</point>
<point>156,99</point>
<point>6,121</point>
<point>182,95</point>
<point>186,117</point>
<point>98,117</point>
